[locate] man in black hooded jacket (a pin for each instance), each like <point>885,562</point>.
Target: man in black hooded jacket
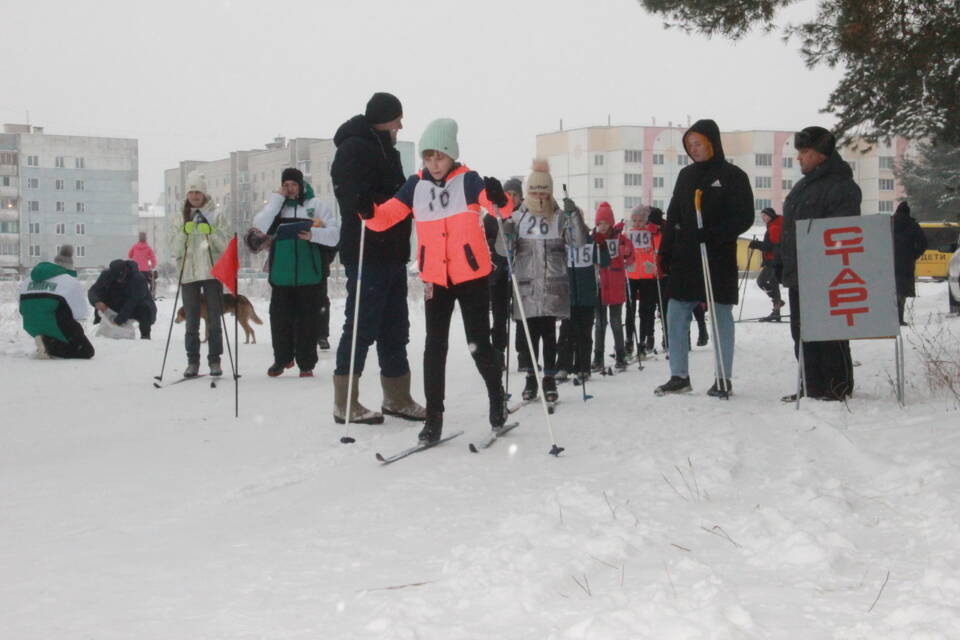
<point>727,210</point>
<point>367,168</point>
<point>123,289</point>
<point>827,190</point>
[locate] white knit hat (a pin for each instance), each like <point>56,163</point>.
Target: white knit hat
<point>196,181</point>
<point>441,135</point>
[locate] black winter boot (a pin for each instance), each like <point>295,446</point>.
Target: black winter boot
<point>498,409</point>
<point>530,389</point>
<point>550,389</point>
<point>675,384</point>
<point>432,428</point>
<point>716,392</point>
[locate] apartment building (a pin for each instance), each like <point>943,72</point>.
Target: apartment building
<point>242,183</point>
<point>59,189</point>
<point>631,165</point>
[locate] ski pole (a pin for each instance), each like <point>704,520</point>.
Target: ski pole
<point>743,284</point>
<point>176,299</point>
<point>347,439</point>
<point>663,319</point>
<point>708,285</point>
<point>506,384</point>
<point>555,450</point>
<point>223,319</point>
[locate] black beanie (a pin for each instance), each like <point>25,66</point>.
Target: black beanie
<point>770,212</point>
<point>118,270</point>
<point>383,107</point>
<point>816,138</point>
<point>292,174</point>
<point>655,216</point>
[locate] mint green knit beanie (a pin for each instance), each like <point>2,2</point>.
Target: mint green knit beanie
<point>441,135</point>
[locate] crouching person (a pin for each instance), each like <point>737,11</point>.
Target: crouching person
<point>123,289</point>
<point>53,304</point>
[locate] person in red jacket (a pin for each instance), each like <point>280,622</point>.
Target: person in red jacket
<point>772,272</point>
<point>613,284</point>
<point>445,199</point>
<point>146,260</point>
<point>643,275</point>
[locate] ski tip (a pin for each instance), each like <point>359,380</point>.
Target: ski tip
<point>381,458</point>
<point>587,397</point>
<point>349,440</point>
<point>158,378</point>
<point>213,385</point>
<point>473,448</point>
<point>555,451</point>
<point>156,385</point>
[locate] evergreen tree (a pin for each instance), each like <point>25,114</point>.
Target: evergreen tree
<point>932,182</point>
<point>901,57</point>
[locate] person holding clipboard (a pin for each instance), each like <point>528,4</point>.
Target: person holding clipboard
<point>300,224</point>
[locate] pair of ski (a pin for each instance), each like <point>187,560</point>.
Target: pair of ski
<point>423,446</point>
<point>157,385</point>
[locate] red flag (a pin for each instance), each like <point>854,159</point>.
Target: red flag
<point>227,266</point>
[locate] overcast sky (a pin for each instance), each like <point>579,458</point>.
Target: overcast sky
<point>195,79</point>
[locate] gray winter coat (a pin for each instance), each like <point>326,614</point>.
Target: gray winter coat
<point>827,192</point>
<point>539,247</point>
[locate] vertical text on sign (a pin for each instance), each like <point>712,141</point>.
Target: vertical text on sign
<point>848,293</point>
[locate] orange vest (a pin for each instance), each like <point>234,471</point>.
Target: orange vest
<point>646,244</point>
<point>451,245</point>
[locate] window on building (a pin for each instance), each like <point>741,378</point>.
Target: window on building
<point>658,158</point>
<point>34,251</point>
<point>763,159</point>
<point>80,251</point>
<point>81,228</point>
<point>78,163</point>
<point>61,228</point>
<point>788,184</point>
<point>10,227</point>
<point>61,207</point>
<point>762,203</point>
<point>58,163</point>
<point>632,155</point>
<point>885,206</point>
<point>33,161</point>
<point>632,201</point>
<point>787,163</point>
<point>81,207</point>
<point>33,183</point>
<point>598,183</point>
<point>59,185</point>
<point>34,227</point>
<point>886,163</point>
<point>4,181</point>
<point>79,185</point>
<point>682,160</point>
<point>633,179</point>
<point>7,203</point>
<point>762,182</point>
<point>658,182</point>
<point>658,204</point>
<point>598,160</point>
<point>8,158</point>
<point>886,184</point>
<point>33,205</point>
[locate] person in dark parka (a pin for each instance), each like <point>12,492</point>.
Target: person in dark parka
<point>909,243</point>
<point>827,190</point>
<point>123,288</point>
<point>727,209</point>
<point>367,169</point>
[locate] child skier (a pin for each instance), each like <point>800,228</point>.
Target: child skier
<point>576,339</point>
<point>445,199</point>
<point>613,285</point>
<point>645,237</point>
<point>539,234</point>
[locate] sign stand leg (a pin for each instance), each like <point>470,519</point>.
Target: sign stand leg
<point>900,370</point>
<point>801,374</point>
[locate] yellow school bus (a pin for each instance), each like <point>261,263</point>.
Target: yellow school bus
<point>942,240</point>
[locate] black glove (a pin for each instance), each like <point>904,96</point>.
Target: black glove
<point>495,191</point>
<point>754,244</point>
<point>569,206</point>
<point>365,207</point>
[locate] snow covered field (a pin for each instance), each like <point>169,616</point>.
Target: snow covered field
<point>130,512</point>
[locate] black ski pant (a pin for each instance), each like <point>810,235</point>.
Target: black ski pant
<point>827,365</point>
<point>631,312</point>
<point>645,293</point>
<point>543,329</point>
<point>384,318</point>
<point>210,293</point>
<point>576,340</point>
<point>615,312</point>
<point>500,295</point>
<point>77,345</point>
<point>293,324</point>
<point>323,329</point>
<point>474,299</point>
<point>769,281</point>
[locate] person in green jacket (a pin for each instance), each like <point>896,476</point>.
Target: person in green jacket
<point>199,236</point>
<point>300,224</point>
<point>52,304</point>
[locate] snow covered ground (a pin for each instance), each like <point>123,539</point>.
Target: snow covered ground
<point>130,512</point>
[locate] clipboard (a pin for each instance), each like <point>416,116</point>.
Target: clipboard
<point>290,230</point>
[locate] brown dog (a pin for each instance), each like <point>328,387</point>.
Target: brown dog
<point>244,312</point>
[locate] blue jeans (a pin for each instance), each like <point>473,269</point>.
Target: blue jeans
<point>383,319</point>
<point>678,326</point>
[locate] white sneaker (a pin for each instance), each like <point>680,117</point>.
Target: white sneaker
<point>41,349</point>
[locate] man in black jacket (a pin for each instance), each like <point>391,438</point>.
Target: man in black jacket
<point>367,168</point>
<point>123,289</point>
<point>827,190</point>
<point>727,209</point>
<point>909,244</point>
